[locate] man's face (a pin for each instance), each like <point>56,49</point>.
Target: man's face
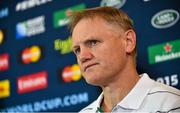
<point>100,50</point>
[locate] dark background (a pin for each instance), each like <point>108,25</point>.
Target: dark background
<point>53,61</point>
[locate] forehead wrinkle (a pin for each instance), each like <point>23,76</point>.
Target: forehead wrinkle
<point>76,37</point>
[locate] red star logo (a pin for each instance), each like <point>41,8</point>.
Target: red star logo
<point>168,48</point>
<point>68,12</point>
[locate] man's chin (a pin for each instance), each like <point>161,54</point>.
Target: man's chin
<point>94,82</point>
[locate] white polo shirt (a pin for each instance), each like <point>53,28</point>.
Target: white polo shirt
<point>147,96</point>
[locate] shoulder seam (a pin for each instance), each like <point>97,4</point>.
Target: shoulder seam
<point>163,92</point>
<point>173,109</point>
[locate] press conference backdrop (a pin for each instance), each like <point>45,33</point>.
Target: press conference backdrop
<point>39,72</point>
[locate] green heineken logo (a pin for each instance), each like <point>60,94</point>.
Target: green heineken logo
<point>163,52</point>
<point>61,18</point>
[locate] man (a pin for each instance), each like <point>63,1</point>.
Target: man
<point>104,42</point>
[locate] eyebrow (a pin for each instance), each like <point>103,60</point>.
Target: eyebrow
<point>74,47</point>
<point>84,42</point>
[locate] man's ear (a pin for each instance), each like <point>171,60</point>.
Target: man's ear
<point>130,40</point>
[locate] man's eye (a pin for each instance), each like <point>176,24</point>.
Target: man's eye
<point>77,51</point>
<point>93,42</point>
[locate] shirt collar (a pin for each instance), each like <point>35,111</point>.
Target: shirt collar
<point>136,96</point>
<point>95,105</point>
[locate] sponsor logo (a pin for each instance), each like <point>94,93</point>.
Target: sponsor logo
<point>31,54</point>
<point>113,3</point>
<point>164,52</point>
<point>63,46</point>
<point>30,27</point>
<point>71,73</point>
<point>165,18</point>
<point>32,82</point>
<point>50,103</point>
<point>4,88</point>
<point>4,62</point>
<point>2,32</point>
<point>61,18</point>
<point>21,6</point>
<point>4,12</point>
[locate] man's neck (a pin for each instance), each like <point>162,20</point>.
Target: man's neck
<point>116,91</point>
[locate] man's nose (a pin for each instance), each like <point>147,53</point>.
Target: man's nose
<point>85,54</point>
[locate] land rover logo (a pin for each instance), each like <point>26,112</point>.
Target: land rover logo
<point>113,3</point>
<point>165,18</point>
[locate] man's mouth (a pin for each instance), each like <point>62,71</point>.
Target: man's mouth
<point>89,66</point>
